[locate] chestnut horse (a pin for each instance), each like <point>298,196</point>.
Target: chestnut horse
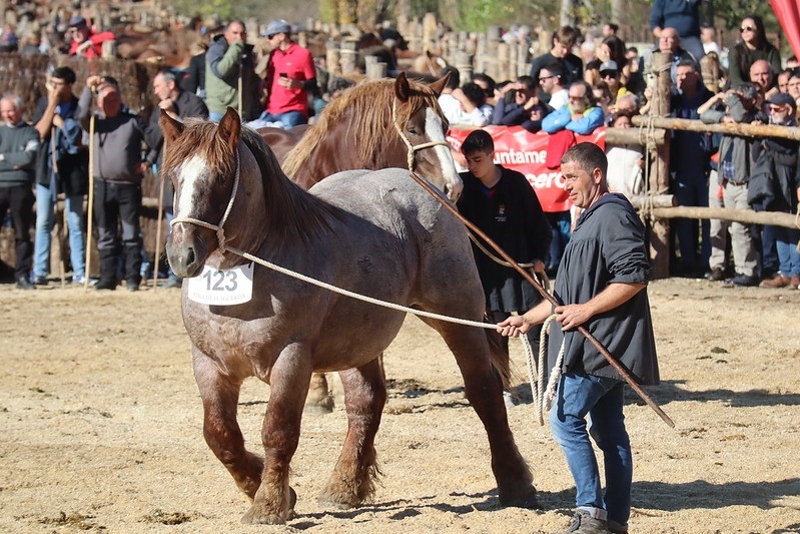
<point>373,125</point>
<point>376,233</point>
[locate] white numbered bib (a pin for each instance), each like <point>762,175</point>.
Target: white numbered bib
<point>223,287</point>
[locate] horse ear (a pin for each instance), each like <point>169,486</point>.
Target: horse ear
<point>171,128</point>
<point>439,85</point>
<point>230,128</point>
<point>402,88</point>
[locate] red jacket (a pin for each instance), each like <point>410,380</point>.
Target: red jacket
<point>96,48</point>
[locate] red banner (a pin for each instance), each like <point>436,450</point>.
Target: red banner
<point>518,149</point>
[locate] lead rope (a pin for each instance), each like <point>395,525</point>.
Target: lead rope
<point>224,247</point>
<point>543,397</point>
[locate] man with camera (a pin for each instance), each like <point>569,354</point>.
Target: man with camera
<point>231,79</point>
<point>291,76</point>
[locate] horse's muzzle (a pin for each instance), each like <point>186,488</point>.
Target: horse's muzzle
<point>187,250</point>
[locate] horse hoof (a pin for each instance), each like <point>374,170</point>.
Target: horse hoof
<point>253,517</point>
<point>528,501</point>
<point>320,405</point>
<point>256,516</point>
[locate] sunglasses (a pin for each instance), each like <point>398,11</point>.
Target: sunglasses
<point>576,98</point>
<point>608,74</point>
<point>777,109</point>
<point>543,78</point>
<point>747,29</point>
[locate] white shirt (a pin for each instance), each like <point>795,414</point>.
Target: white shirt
<point>559,99</point>
<point>451,107</point>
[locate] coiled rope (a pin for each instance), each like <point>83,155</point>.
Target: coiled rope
<point>543,395</point>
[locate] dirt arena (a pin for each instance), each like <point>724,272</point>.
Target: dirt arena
<point>101,426</point>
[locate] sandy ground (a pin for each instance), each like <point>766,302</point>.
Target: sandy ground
<point>101,426</point>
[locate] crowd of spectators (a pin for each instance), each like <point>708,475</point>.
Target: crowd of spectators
<point>579,84</point>
<point>579,87</point>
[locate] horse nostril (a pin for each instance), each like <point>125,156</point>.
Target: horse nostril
<point>190,256</point>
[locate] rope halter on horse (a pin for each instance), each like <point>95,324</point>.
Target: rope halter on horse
<point>412,149</point>
<point>218,228</point>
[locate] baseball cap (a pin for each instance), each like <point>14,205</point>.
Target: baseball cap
<point>278,26</point>
<point>783,99</point>
<point>609,65</point>
<point>77,22</point>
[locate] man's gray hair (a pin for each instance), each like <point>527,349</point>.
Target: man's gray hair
<point>14,99</point>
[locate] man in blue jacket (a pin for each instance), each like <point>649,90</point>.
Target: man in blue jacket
<point>580,116</point>
<point>62,166</point>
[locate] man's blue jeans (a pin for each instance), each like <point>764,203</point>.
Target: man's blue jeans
<point>288,119</point>
<point>786,243</point>
<point>601,399</point>
<point>44,227</point>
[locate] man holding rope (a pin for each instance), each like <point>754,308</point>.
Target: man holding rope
<point>601,285</point>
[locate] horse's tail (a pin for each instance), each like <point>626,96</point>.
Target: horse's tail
<point>501,361</point>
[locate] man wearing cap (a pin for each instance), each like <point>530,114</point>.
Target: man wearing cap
<point>85,42</point>
<point>774,186</point>
<point>230,66</point>
<point>609,73</point>
<point>291,76</point>
<point>737,105</point>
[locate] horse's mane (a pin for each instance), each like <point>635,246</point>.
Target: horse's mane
<point>290,215</point>
<point>368,109</point>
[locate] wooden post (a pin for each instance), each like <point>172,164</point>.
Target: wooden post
<point>480,53</point>
<point>374,69</point>
<point>503,71</point>
<point>464,66</point>
<point>659,169</point>
<point>332,58</point>
<point>348,56</point>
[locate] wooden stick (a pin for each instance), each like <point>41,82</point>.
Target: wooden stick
<point>623,372</point>
<point>159,221</point>
<point>59,226</point>
<point>91,205</point>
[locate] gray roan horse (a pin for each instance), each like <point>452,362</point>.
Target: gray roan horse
<point>373,232</point>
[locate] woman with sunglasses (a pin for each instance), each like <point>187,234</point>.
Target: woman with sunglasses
<point>752,46</point>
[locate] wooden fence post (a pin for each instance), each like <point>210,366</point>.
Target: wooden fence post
<point>659,169</point>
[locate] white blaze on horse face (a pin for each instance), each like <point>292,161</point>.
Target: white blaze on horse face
<point>434,130</point>
<point>192,176</point>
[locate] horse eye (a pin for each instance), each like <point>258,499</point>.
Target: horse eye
<point>413,130</point>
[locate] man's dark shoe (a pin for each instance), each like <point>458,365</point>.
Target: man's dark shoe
<point>717,274</point>
<point>40,280</point>
<point>583,523</point>
<point>110,285</point>
<point>24,284</point>
<point>132,285</point>
<point>742,280</point>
